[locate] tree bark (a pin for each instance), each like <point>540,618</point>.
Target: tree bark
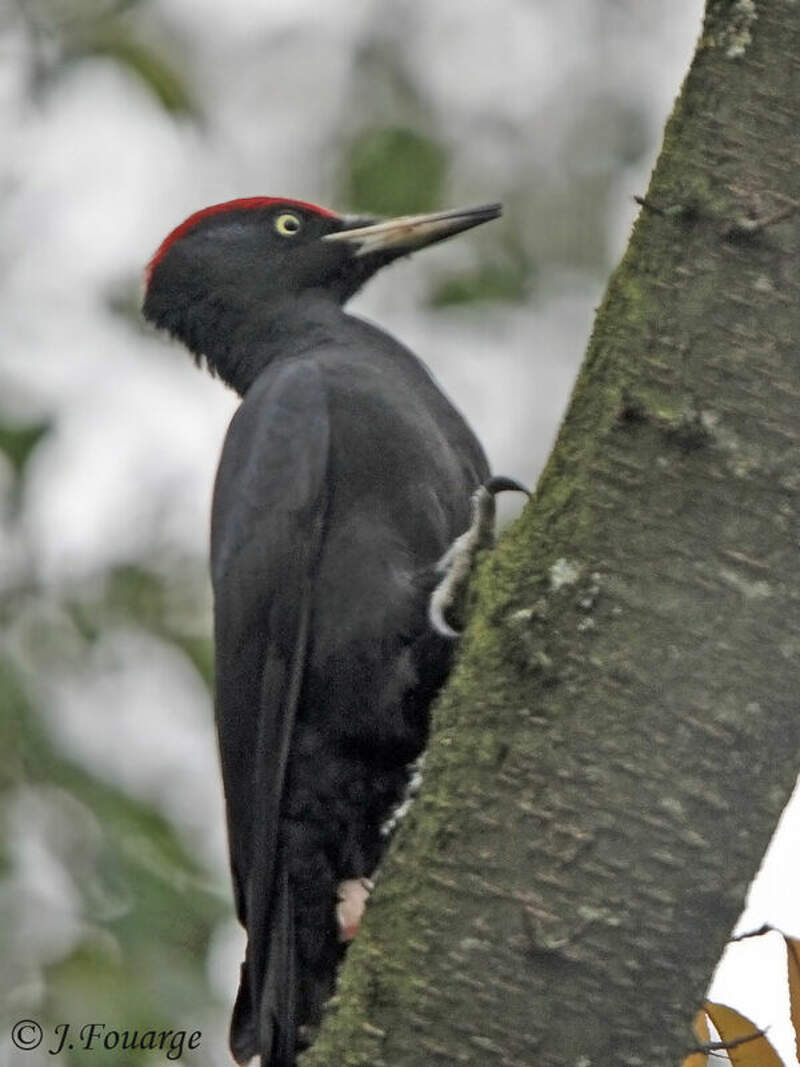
<point>620,737</point>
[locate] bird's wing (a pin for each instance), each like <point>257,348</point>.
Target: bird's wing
<point>267,517</point>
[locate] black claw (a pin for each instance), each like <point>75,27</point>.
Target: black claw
<point>500,484</point>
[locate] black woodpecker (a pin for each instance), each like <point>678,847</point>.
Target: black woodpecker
<point>345,477</point>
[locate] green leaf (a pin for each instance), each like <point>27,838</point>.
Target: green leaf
<point>394,171</point>
<point>149,66</point>
<point>492,282</point>
<point>18,442</point>
<point>26,751</point>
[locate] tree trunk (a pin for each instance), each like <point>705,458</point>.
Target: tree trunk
<point>618,741</point>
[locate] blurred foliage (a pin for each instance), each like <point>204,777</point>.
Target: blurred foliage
<point>134,593</point>
<point>143,60</point>
<point>145,912</point>
<point>394,171</point>
<point>18,442</point>
<point>123,297</point>
<point>62,34</point>
<point>130,939</point>
<point>494,281</point>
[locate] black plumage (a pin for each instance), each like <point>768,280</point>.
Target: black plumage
<point>345,475</point>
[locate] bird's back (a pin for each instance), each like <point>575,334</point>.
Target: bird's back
<point>406,464</point>
<point>397,443</point>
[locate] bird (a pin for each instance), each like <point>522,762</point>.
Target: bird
<point>349,493</point>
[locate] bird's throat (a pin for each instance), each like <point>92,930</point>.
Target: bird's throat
<point>239,342</point>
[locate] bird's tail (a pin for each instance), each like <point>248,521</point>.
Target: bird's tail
<point>265,1014</point>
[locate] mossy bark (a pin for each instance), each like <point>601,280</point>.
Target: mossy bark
<point>622,732</point>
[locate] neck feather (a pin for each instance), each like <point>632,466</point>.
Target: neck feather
<point>238,341</point>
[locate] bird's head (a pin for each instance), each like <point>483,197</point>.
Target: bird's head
<point>251,255</point>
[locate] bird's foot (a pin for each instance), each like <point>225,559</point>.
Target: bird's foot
<point>448,600</point>
<point>352,895</point>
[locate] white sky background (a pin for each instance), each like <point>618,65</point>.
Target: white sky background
<point>94,175</point>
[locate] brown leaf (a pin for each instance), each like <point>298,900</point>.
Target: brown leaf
<point>700,1028</point>
<point>793,959</point>
<point>745,1045</point>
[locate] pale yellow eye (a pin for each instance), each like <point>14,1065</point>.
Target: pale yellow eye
<point>288,224</point>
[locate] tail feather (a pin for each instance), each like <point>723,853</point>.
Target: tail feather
<point>243,1035</point>
<point>264,1018</point>
<point>278,1010</point>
